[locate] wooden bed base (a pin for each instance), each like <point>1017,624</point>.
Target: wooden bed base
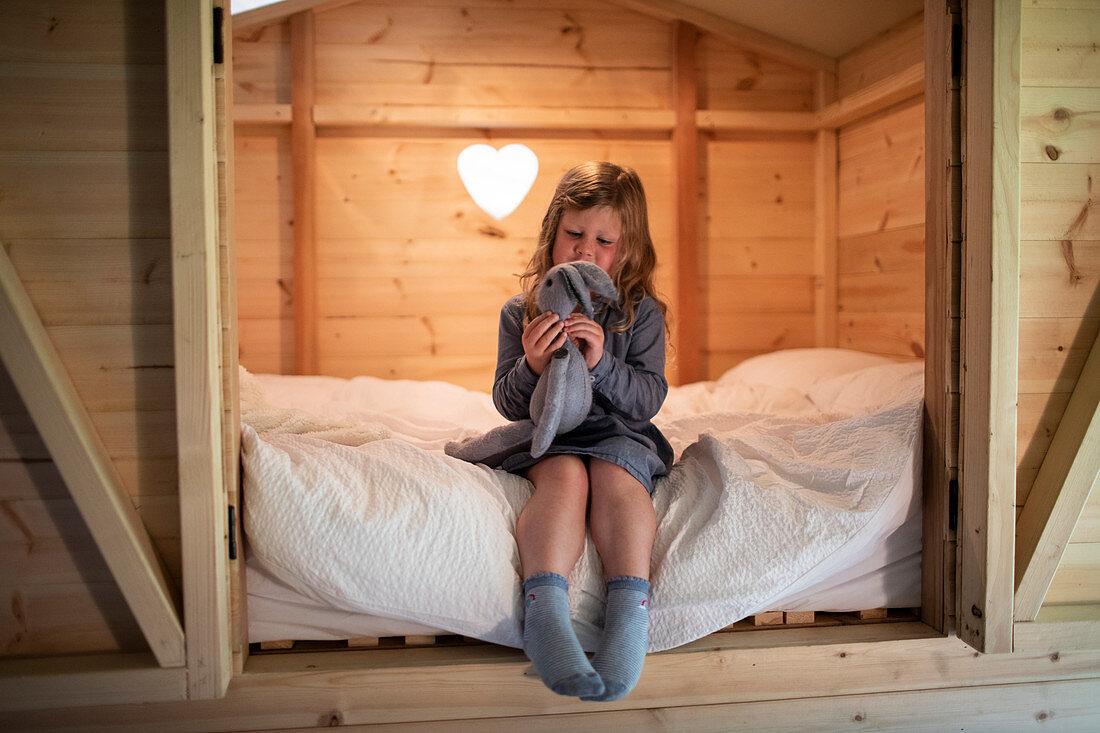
<point>765,620</point>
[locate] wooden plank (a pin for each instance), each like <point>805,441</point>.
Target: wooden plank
<point>262,114</point>
<point>491,118</point>
<point>733,79</point>
<point>892,250</point>
<point>735,120</point>
<point>195,287</point>
<point>1059,125</point>
<point>84,462</point>
<point>1059,279</point>
<point>81,616</point>
<point>988,462</point>
<point>1062,487</point>
<point>106,679</point>
<point>1058,46</point>
<point>1059,627</point>
<point>1077,579</point>
<point>1056,201</point>
<point>1052,352</point>
<point>880,95</point>
<point>685,144</point>
<point>303,173</point>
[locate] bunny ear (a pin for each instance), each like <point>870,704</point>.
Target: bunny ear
<point>597,280</point>
<point>578,288</point>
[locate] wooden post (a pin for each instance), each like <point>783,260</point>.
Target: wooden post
<point>303,146</point>
<point>195,286</point>
<point>825,219</point>
<point>990,341</point>
<point>685,145</point>
<point>941,202</point>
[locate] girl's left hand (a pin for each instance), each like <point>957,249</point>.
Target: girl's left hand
<point>587,335</point>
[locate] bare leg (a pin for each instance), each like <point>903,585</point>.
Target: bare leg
<point>623,526</point>
<point>550,529</point>
<point>550,535</point>
<point>623,521</point>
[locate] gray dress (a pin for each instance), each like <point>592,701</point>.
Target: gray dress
<point>628,387</point>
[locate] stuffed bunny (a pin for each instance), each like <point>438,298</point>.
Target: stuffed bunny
<point>563,395</point>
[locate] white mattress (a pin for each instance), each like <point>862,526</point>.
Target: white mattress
<point>876,564</point>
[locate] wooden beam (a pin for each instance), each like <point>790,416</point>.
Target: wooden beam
<point>84,464</point>
<point>990,338</point>
<point>1067,475</point>
<point>826,205</point>
<point>940,104</point>
<point>739,120</point>
<point>197,331</point>
<point>873,98</point>
<point>743,36</point>
<point>685,151</point>
<point>303,154</point>
<point>512,118</point>
<point>94,679</point>
<point>1056,628</point>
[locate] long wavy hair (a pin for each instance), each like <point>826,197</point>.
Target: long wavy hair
<point>588,185</point>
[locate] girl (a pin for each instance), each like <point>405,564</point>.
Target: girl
<point>606,465</point>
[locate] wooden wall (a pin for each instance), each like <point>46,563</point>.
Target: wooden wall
<point>880,245</point>
<point>411,274</point>
<point>84,219</point>
<point>1059,251</point>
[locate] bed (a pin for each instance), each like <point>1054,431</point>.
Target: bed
<point>796,488</point>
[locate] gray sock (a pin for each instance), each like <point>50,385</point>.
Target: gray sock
<point>625,639</point>
<point>549,639</point>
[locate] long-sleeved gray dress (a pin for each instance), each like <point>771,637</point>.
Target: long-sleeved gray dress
<point>628,387</point>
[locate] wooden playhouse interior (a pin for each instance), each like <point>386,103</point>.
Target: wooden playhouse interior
<point>792,203</point>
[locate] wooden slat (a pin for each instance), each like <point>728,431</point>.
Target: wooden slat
<point>1058,125</point>
<point>303,142</point>
<point>735,120</point>
<point>1059,493</point>
<point>83,460</point>
<point>685,143</point>
<point>510,118</point>
<point>876,97</point>
<point>105,679</point>
<point>988,463</point>
<point>198,346</point>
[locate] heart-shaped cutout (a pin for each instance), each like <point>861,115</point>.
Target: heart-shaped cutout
<point>498,180</point>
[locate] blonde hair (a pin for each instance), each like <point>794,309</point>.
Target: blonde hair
<point>586,186</point>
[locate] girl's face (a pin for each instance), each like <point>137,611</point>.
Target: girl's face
<point>588,234</point>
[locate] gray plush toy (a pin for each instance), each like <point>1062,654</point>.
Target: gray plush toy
<point>563,395</point>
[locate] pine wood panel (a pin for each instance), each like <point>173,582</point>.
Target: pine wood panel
<point>730,78</point>
<point>1059,279</point>
<point>82,33</point>
<point>261,65</point>
<point>1077,579</point>
<point>892,334</point>
<point>764,256</point>
<point>496,34</point>
<point>894,250</point>
<point>891,51</point>
<point>58,106</point>
<point>1055,201</point>
<point>1059,124</point>
<point>66,618</point>
<point>881,178</point>
<point>132,288</point>
<point>1052,352</point>
<point>1058,46</point>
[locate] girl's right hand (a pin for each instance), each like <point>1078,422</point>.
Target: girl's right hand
<point>543,336</point>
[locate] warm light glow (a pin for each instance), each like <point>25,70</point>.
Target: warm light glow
<point>498,180</point>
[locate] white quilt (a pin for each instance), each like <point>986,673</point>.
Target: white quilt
<point>787,465</point>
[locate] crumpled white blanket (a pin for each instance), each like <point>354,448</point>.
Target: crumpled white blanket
<point>784,464</point>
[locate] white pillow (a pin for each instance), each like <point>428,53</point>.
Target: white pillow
<point>870,390</point>
<point>802,368</point>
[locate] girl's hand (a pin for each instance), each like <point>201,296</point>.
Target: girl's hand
<point>587,335</point>
<point>543,336</point>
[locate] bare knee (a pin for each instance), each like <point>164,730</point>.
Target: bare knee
<point>565,475</point>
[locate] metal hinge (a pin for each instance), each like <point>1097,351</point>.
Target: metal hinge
<point>219,28</point>
<point>232,532</point>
